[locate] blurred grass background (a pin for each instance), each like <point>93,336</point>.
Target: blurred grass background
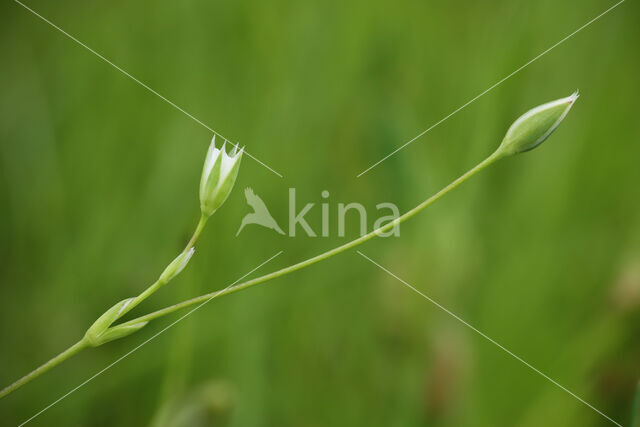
<point>99,178</point>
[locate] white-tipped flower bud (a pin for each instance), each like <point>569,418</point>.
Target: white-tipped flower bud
<point>101,325</point>
<point>118,331</point>
<point>176,266</point>
<point>534,126</point>
<point>218,176</point>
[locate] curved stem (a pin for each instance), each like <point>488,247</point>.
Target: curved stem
<point>202,298</point>
<point>201,223</point>
<point>44,368</point>
<point>83,343</point>
<point>197,300</point>
<point>158,283</point>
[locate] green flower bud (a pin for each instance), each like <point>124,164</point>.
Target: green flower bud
<point>118,331</point>
<point>218,176</point>
<point>534,126</point>
<point>176,266</point>
<point>102,324</point>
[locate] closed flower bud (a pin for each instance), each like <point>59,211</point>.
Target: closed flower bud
<point>118,331</point>
<point>176,266</point>
<point>102,324</point>
<point>218,176</point>
<point>534,126</point>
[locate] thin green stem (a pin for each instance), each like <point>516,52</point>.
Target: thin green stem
<point>159,283</point>
<point>383,229</point>
<point>80,345</point>
<point>202,298</point>
<point>44,368</point>
<point>201,223</point>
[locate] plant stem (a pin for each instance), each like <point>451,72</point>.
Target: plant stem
<point>158,283</point>
<point>80,345</point>
<point>201,223</point>
<point>44,368</point>
<point>197,300</point>
<point>202,298</point>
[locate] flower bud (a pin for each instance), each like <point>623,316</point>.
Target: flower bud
<point>218,176</point>
<point>118,331</point>
<point>102,324</point>
<point>176,266</point>
<point>534,126</point>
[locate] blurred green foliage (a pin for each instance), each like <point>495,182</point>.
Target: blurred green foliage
<point>99,189</point>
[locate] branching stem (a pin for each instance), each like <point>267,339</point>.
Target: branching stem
<point>383,229</point>
<point>202,298</point>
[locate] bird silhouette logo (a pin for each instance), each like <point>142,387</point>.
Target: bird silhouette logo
<point>260,214</point>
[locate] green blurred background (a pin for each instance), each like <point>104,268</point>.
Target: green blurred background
<point>99,179</point>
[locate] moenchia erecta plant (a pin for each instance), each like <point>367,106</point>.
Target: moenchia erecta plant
<point>218,178</point>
